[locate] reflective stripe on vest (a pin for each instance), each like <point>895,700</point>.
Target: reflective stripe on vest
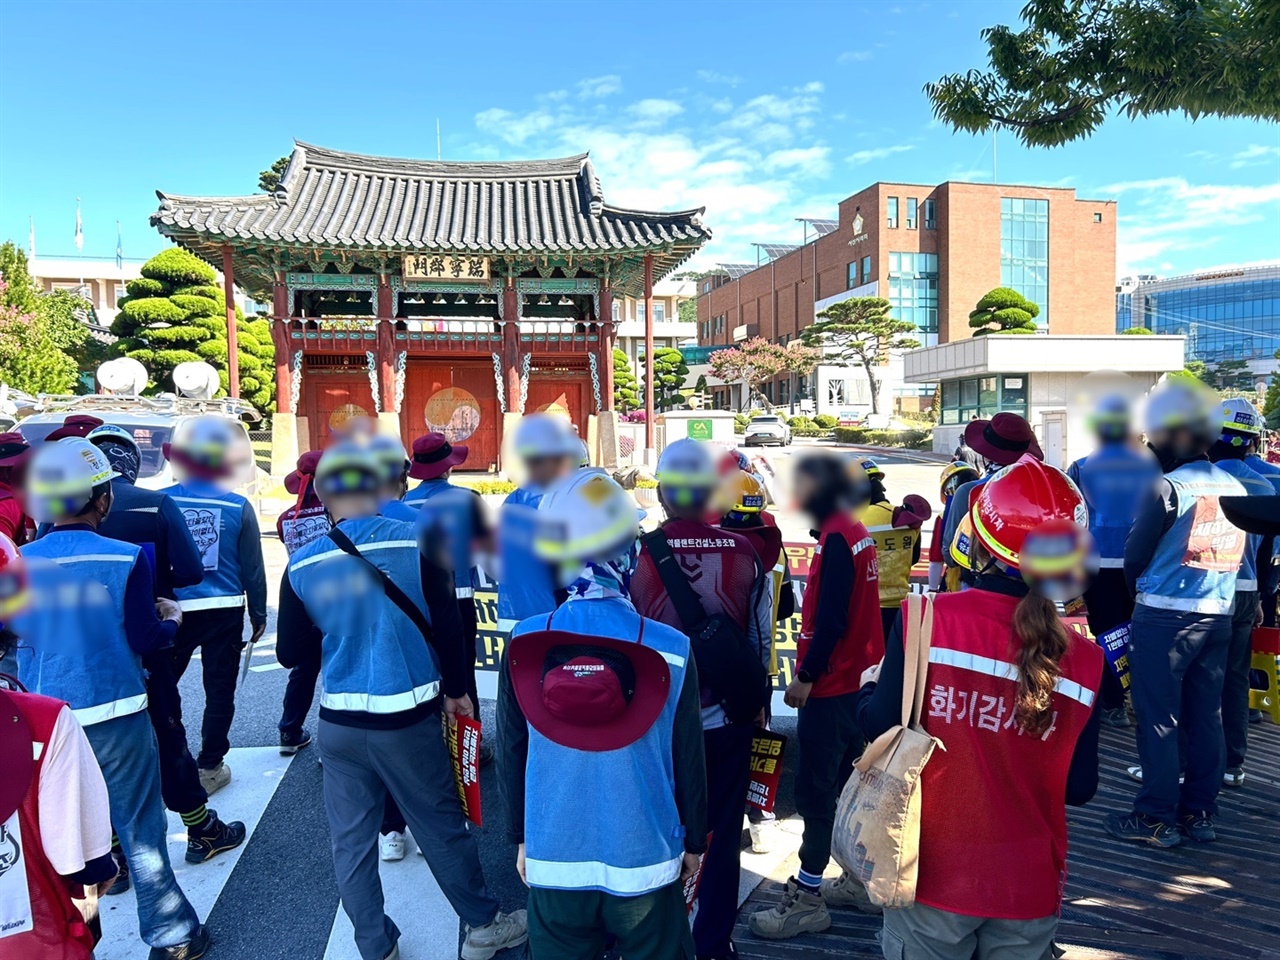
<point>381,703</point>
<point>587,875</point>
<point>1006,671</point>
<point>362,547</point>
<point>110,711</point>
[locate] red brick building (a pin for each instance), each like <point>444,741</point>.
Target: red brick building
<point>932,251</point>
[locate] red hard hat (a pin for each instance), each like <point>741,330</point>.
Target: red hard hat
<point>13,579</point>
<point>1021,498</point>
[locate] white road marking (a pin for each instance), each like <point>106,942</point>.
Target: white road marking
<point>255,774</point>
<point>428,925</point>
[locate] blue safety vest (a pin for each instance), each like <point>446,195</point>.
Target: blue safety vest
<point>575,838</point>
<point>373,658</point>
<point>1256,485</point>
<point>1196,562</point>
<point>447,511</point>
<point>527,587</point>
<point>1114,480</point>
<point>398,510</point>
<point>1269,470</point>
<point>73,643</point>
<point>213,518</point>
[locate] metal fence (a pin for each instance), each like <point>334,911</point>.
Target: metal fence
<point>261,442</point>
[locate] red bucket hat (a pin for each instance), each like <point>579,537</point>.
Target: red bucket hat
<point>306,469</point>
<point>588,693</point>
<point>1003,439</point>
<point>913,513</point>
<point>14,450</point>
<point>433,455</point>
<point>16,758</point>
<point>77,425</point>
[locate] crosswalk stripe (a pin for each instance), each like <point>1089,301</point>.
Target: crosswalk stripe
<point>256,772</point>
<point>428,925</point>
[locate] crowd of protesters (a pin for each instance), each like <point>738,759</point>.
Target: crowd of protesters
<point>638,672</point>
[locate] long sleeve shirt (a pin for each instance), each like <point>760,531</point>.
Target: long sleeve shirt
<point>879,706</point>
<point>687,756</point>
<point>253,569</point>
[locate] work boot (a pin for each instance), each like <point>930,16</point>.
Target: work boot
<point>1197,826</point>
<point>123,883</point>
<point>485,753</point>
<point>505,930</point>
<point>1233,777</point>
<point>214,837</point>
<point>192,949</point>
<point>799,911</point>
<point>291,743</point>
<point>391,846</point>
<point>1119,718</point>
<point>215,778</point>
<point>847,891</point>
<point>1139,828</point>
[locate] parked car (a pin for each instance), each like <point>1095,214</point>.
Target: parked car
<point>770,429</point>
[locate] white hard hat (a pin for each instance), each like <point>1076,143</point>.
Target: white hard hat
<point>544,435</point>
<point>120,448</point>
<point>586,516</point>
<point>347,467</point>
<point>63,476</point>
<point>1240,421</point>
<point>389,453</point>
<point>205,441</point>
<point>1179,404</point>
<point>688,463</point>
<point>584,454</point>
<point>114,434</point>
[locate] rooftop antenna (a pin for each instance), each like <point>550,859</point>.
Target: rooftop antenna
<point>438,153</point>
<point>995,175</point>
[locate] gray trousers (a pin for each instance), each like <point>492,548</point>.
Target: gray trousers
<point>927,933</point>
<point>360,768</point>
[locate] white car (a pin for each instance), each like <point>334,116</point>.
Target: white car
<point>768,429</point>
<point>151,420</point>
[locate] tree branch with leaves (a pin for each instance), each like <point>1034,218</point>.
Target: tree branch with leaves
<point>860,332</point>
<point>1004,310</point>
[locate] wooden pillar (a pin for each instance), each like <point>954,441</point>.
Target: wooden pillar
<point>511,346</point>
<point>648,354</point>
<point>233,347</point>
<point>605,321</point>
<point>280,309</point>
<point>386,347</point>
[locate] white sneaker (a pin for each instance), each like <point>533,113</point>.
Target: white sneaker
<point>761,833</point>
<point>391,846</point>
<point>506,930</point>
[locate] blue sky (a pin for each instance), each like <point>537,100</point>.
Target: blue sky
<point>761,112</point>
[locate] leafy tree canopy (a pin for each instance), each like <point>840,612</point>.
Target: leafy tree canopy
<point>687,311</point>
<point>757,361</point>
<point>1271,403</point>
<point>44,338</point>
<point>269,180</point>
<point>1074,61</point>
<point>1004,311</point>
<point>859,331</point>
<point>174,314</point>
<point>1138,332</point>
<point>626,395</point>
<point>669,373</point>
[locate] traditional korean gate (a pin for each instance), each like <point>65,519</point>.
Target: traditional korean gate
<point>334,390</point>
<point>563,388</point>
<point>458,398</point>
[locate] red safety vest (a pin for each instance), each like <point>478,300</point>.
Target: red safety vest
<point>993,825</point>
<point>863,640</point>
<point>59,931</point>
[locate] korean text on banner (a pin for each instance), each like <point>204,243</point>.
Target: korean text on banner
<point>691,885</point>
<point>1115,644</point>
<point>464,754</point>
<point>766,769</point>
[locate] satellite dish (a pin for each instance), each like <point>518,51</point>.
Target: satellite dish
<point>123,376</point>
<point>196,380</point>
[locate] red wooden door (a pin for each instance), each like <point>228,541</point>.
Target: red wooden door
<point>458,399</point>
<point>565,393</point>
<point>330,397</point>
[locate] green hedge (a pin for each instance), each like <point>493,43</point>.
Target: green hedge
<point>905,439</point>
<point>825,420</point>
<point>144,287</point>
<point>487,487</point>
<point>175,266</point>
<point>151,310</point>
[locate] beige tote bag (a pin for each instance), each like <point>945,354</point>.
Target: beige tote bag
<point>877,828</point>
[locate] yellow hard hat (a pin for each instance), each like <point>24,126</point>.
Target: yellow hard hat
<point>959,547</point>
<point>954,474</point>
<point>745,492</point>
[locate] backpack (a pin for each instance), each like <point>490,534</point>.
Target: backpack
<point>728,665</point>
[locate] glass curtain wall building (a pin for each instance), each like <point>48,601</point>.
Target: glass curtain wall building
<point>1225,315</point>
<point>913,292</point>
<point>1024,251</point>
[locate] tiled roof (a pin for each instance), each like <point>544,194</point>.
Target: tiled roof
<point>335,199</point>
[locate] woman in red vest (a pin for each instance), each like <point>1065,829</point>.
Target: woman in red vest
<point>1012,696</point>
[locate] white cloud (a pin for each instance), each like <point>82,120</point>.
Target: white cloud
<point>711,76</point>
<point>596,87</point>
<point>854,56</point>
<point>1256,155</point>
<point>513,128</point>
<point>808,160</point>
<point>654,110</point>
<point>1167,215</point>
<point>878,153</point>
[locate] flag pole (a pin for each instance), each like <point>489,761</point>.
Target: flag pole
<point>80,244</point>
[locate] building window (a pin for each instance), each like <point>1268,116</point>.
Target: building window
<point>659,311</point>
<point>912,211</point>
<point>913,292</point>
<point>983,397</point>
<point>930,215</point>
<point>640,310</point>
<point>1097,218</point>
<point>1236,320</point>
<point>866,269</point>
<point>706,286</point>
<point>1024,251</point>
<point>617,311</point>
<point>852,280</point>
<point>893,213</point>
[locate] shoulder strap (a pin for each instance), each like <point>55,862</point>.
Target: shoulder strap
<point>919,636</point>
<point>688,607</point>
<point>393,592</point>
